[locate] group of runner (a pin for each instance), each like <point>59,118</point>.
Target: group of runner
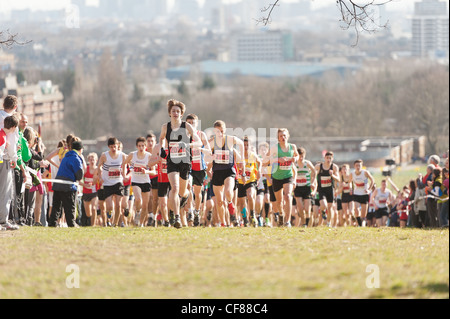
<point>189,179</point>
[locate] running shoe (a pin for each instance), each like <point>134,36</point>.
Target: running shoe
<point>177,223</point>
<point>171,218</point>
<point>9,226</point>
<point>231,209</point>
<point>267,222</point>
<point>190,217</point>
<point>260,221</point>
<point>196,219</point>
<point>288,225</point>
<point>183,201</point>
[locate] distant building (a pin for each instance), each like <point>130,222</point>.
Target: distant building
<point>269,46</point>
<point>430,29</point>
<point>261,69</point>
<point>7,61</point>
<point>42,103</point>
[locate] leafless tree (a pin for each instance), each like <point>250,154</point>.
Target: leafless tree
<point>358,15</point>
<point>8,39</point>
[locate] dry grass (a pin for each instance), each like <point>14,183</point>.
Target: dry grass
<point>224,263</point>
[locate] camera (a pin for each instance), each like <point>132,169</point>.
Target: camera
<point>387,173</point>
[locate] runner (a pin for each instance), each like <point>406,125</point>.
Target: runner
<point>163,183</point>
<point>305,174</point>
<point>262,204</point>
<point>326,173</point>
<point>247,183</point>
<point>111,177</point>
<point>361,178</point>
<point>198,171</point>
<point>176,135</point>
<point>225,156</point>
<point>283,156</point>
<point>153,201</point>
<point>90,196</point>
<point>346,191</point>
<point>140,179</point>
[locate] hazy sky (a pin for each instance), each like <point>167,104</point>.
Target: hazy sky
<point>7,5</point>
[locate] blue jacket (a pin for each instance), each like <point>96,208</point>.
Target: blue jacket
<point>71,169</point>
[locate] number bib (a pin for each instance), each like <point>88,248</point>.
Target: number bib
<point>302,180</point>
<point>176,151</point>
<point>286,166</point>
<point>139,169</point>
<point>196,155</point>
<point>325,181</point>
<point>114,173</point>
<point>222,157</point>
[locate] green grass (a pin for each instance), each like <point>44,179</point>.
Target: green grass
<point>402,175</point>
<point>248,263</point>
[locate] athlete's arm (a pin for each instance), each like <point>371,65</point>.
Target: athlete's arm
<point>335,174</point>
<point>196,141</point>
<point>372,197</point>
<point>101,161</point>
<point>162,136</point>
<point>313,172</point>
<point>51,155</point>
<point>370,177</point>
<point>155,158</point>
<point>124,164</point>
<point>207,148</point>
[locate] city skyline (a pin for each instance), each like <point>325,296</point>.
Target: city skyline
<point>41,5</point>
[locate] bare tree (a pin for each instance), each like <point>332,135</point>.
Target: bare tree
<point>8,39</point>
<point>359,15</point>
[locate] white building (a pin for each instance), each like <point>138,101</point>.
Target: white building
<point>430,29</point>
<point>270,46</point>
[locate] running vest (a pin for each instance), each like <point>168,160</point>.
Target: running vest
<point>198,161</point>
<point>162,170</point>
<point>360,182</point>
<point>112,170</point>
<point>177,155</point>
<point>138,167</point>
<point>223,156</point>
<point>382,198</point>
<point>303,175</point>
<point>89,178</point>
<point>346,189</point>
<point>283,171</point>
<point>324,178</point>
<point>250,170</point>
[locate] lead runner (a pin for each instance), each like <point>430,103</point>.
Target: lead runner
<point>176,135</point>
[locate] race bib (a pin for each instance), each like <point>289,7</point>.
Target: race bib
<point>196,155</point>
<point>325,181</point>
<point>360,185</point>
<point>286,166</point>
<point>302,181</point>
<point>88,180</point>
<point>176,151</point>
<point>164,167</point>
<point>346,189</point>
<point>139,169</point>
<point>222,157</point>
<point>114,173</point>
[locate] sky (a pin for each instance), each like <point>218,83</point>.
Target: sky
<point>7,5</point>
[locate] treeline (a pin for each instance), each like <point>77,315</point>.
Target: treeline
<point>390,100</point>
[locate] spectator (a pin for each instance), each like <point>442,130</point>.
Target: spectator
<point>70,170</point>
<point>420,206</point>
<point>8,157</point>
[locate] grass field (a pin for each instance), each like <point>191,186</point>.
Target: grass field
<point>199,263</point>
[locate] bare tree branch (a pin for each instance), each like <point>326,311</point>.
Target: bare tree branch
<point>359,15</point>
<point>8,39</point>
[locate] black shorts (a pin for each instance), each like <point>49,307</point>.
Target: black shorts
<point>273,198</point>
<point>371,215</point>
<point>198,177</point>
<point>362,199</point>
<point>117,189</point>
<point>316,202</point>
<point>339,204</point>
<point>260,191</point>
<point>183,168</point>
<point>163,189</point>
<point>347,198</point>
<point>89,197</point>
<point>327,194</point>
<point>303,192</point>
<point>266,187</point>
<point>126,190</point>
<point>380,213</point>
<point>101,194</point>
<point>219,176</point>
<point>242,189</point>
<point>210,193</point>
<point>278,183</point>
<point>145,188</point>
<point>154,183</point>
